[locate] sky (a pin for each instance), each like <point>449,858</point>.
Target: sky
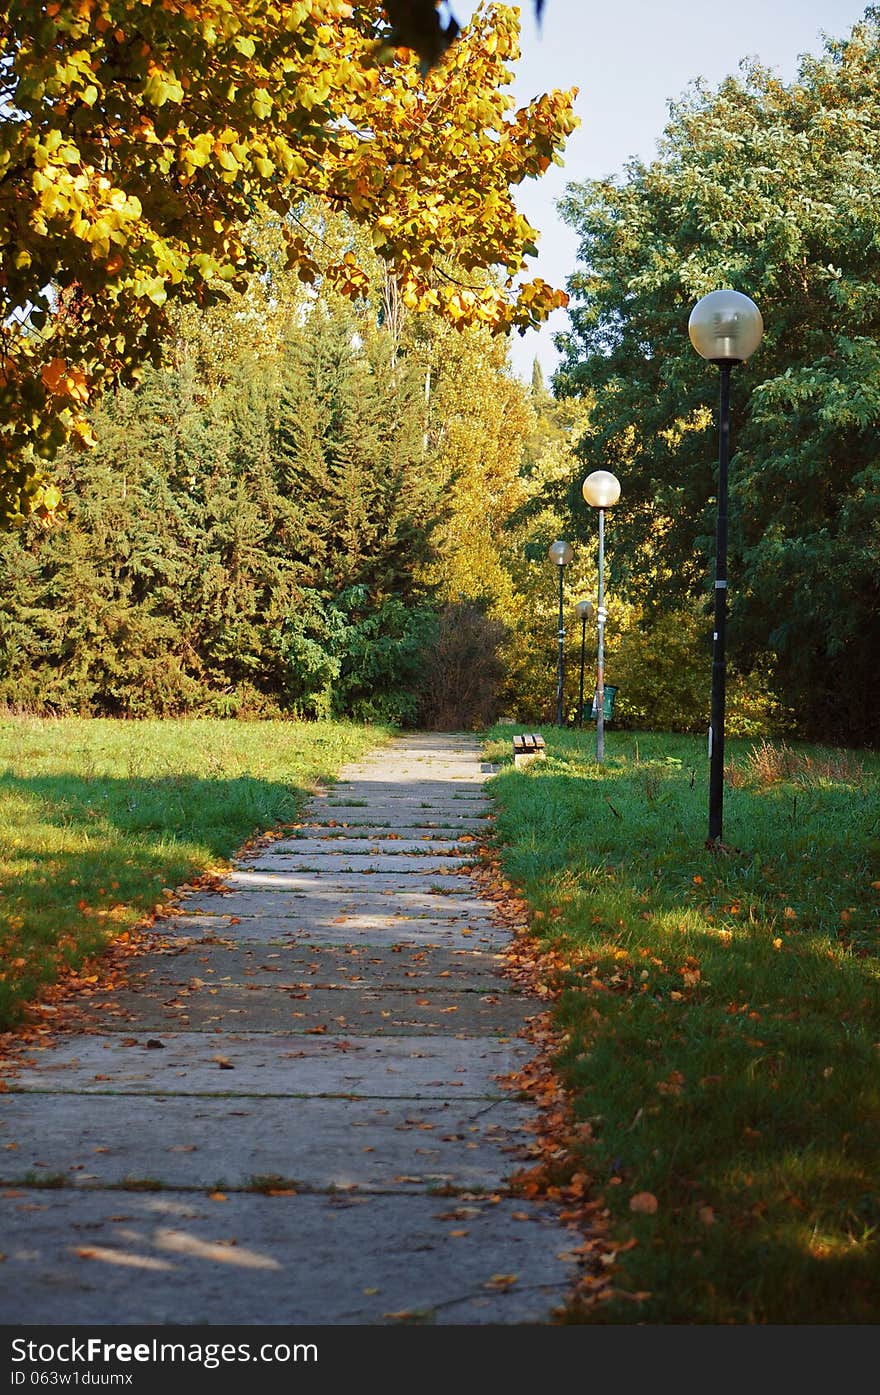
<point>629,59</point>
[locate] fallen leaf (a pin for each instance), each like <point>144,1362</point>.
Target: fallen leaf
<point>217,1196</point>
<point>501,1281</point>
<point>644,1203</point>
<point>223,1062</point>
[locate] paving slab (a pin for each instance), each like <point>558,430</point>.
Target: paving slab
<point>320,837</point>
<point>365,860</point>
<point>317,882</point>
<point>320,926</point>
<point>244,1063</point>
<point>449,793</point>
<point>367,828</point>
<point>254,901</point>
<point>312,1144</point>
<point>328,966</point>
<point>362,1009</point>
<point>177,1258</point>
<point>394,815</point>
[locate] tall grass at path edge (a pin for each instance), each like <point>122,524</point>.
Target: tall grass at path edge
<point>719,1011</point>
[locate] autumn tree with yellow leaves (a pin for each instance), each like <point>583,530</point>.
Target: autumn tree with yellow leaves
<point>139,137</point>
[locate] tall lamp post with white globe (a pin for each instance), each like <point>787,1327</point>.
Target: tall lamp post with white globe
<point>601,490</point>
<point>725,327</point>
<point>561,553</point>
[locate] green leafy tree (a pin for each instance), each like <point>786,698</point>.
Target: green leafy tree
<point>773,189</point>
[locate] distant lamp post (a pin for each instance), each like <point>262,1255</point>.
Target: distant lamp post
<point>601,490</point>
<point>583,610</point>
<point>560,553</point>
<point>725,327</point>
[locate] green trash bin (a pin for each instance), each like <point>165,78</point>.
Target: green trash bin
<point>607,706</point>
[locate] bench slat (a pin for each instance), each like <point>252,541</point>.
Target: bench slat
<point>528,742</point>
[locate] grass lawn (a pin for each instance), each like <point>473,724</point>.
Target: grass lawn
<point>100,818</point>
<point>720,1015</point>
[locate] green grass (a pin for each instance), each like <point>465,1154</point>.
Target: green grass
<point>720,1014</point>
<point>99,819</point>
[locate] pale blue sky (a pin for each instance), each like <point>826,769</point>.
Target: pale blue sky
<point>629,58</point>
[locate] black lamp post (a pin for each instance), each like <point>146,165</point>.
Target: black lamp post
<point>601,490</point>
<point>725,327</point>
<point>561,553</point>
<point>583,610</point>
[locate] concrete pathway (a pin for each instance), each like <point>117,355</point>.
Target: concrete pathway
<point>293,1113</point>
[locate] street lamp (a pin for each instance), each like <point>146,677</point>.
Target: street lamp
<point>583,610</point>
<point>725,327</point>
<point>561,554</point>
<point>601,490</point>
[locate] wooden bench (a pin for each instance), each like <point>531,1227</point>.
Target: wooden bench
<point>527,746</point>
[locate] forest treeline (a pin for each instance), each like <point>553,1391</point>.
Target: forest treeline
<point>318,506</point>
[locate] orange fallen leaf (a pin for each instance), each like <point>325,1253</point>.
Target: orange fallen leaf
<point>217,1196</point>
<point>644,1203</point>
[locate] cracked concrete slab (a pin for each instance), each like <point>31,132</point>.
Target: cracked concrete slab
<point>178,1258</point>
<point>408,966</point>
<point>252,901</point>
<point>348,926</point>
<point>379,840</point>
<point>244,1063</point>
<point>374,1009</point>
<point>367,828</point>
<point>424,814</point>
<point>314,1144</point>
<point>318,882</point>
<point>365,860</point>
